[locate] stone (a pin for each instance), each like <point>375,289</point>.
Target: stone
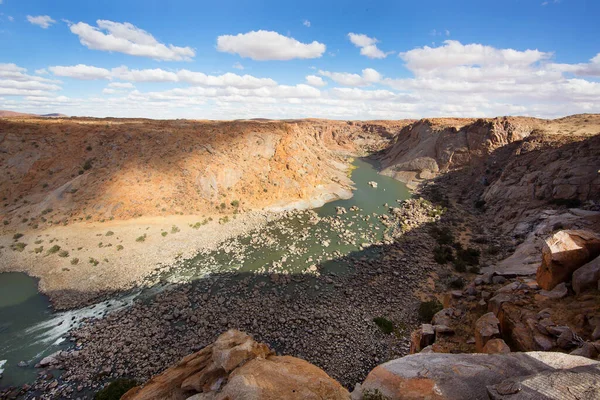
<point>443,317</point>
<point>486,328</point>
<point>495,303</point>
<point>566,340</point>
<point>496,346</point>
<point>587,277</point>
<point>563,253</point>
<point>585,350</point>
<point>49,360</point>
<point>558,292</point>
<point>443,329</point>
<point>438,376</point>
<point>543,342</point>
<point>498,280</point>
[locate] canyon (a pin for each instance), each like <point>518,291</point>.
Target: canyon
<point>474,262</point>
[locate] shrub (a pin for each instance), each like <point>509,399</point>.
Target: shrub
<point>235,203</point>
<point>460,265</point>
<point>47,211</point>
<point>174,229</point>
<point>74,261</point>
<point>115,389</point>
<point>443,254</point>
<point>54,249</point>
<point>457,283</point>
<point>427,309</point>
<point>19,246</point>
<point>385,325</point>
<point>63,253</point>
<point>223,205</point>
<point>109,233</point>
<point>470,256</point>
<point>163,234</point>
<point>38,250</point>
<point>480,204</point>
<point>87,164</point>
<point>17,236</point>
<point>443,235</point>
<point>474,269</point>
<point>141,238</point>
<point>120,247</point>
<point>93,261</point>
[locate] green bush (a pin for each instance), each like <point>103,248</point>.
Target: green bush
<point>443,254</point>
<point>115,389</point>
<point>164,234</point>
<point>74,261</point>
<point>93,261</point>
<point>457,283</point>
<point>54,249</point>
<point>87,164</point>
<point>385,325</point>
<point>235,203</point>
<point>174,229</point>
<point>373,394</point>
<point>17,236</point>
<point>427,309</point>
<point>109,233</point>
<point>141,238</point>
<point>443,235</point>
<point>19,246</point>
<point>38,250</point>
<point>469,256</point>
<point>63,253</point>
<point>120,247</point>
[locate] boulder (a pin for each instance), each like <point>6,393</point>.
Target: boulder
<point>421,338</point>
<point>587,277</point>
<point>237,367</point>
<point>438,376</point>
<point>486,328</point>
<point>563,253</point>
<point>496,346</point>
<point>558,292</point>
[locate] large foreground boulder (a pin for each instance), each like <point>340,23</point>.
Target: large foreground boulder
<point>438,376</point>
<point>587,277</point>
<point>237,367</point>
<point>563,253</point>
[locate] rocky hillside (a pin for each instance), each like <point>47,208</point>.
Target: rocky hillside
<point>63,171</point>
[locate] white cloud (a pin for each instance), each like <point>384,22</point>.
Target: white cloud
<point>367,45</point>
<point>453,53</point>
<point>268,45</point>
<point>42,71</point>
<point>14,81</point>
<point>369,76</point>
<point>143,75</point>
<point>239,66</point>
<point>121,85</point>
<point>81,71</point>
<point>128,39</point>
<point>306,23</point>
<point>11,18</point>
<point>316,81</point>
<point>43,21</point>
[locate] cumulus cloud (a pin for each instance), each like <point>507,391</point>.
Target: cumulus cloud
<point>306,23</point>
<point>268,45</point>
<point>367,45</point>
<point>239,66</point>
<point>43,21</point>
<point>316,81</point>
<point>128,39</point>
<point>369,76</point>
<point>121,85</point>
<point>14,81</point>
<point>81,71</point>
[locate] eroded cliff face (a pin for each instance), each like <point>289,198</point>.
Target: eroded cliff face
<point>90,169</point>
<point>428,147</point>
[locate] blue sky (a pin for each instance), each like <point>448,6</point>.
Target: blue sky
<point>329,59</point>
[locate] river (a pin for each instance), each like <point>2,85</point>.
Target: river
<point>30,330</point>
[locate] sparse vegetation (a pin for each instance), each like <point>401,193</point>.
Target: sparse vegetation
<point>54,249</point>
<point>63,253</point>
<point>120,247</point>
<point>373,394</point>
<point>38,250</point>
<point>19,246</point>
<point>115,389</point>
<point>427,309</point>
<point>87,164</point>
<point>384,324</point>
<point>235,203</point>
<point>74,261</point>
<point>174,229</point>
<point>109,233</point>
<point>163,234</point>
<point>17,236</point>
<point>141,238</point>
<point>93,261</point>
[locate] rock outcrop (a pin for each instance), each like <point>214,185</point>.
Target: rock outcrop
<point>587,277</point>
<point>237,367</point>
<point>482,376</point>
<point>565,252</point>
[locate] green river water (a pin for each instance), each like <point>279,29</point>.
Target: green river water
<point>29,330</point>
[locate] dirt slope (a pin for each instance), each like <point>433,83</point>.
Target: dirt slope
<point>89,169</point>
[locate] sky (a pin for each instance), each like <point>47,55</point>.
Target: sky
<point>296,59</point>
